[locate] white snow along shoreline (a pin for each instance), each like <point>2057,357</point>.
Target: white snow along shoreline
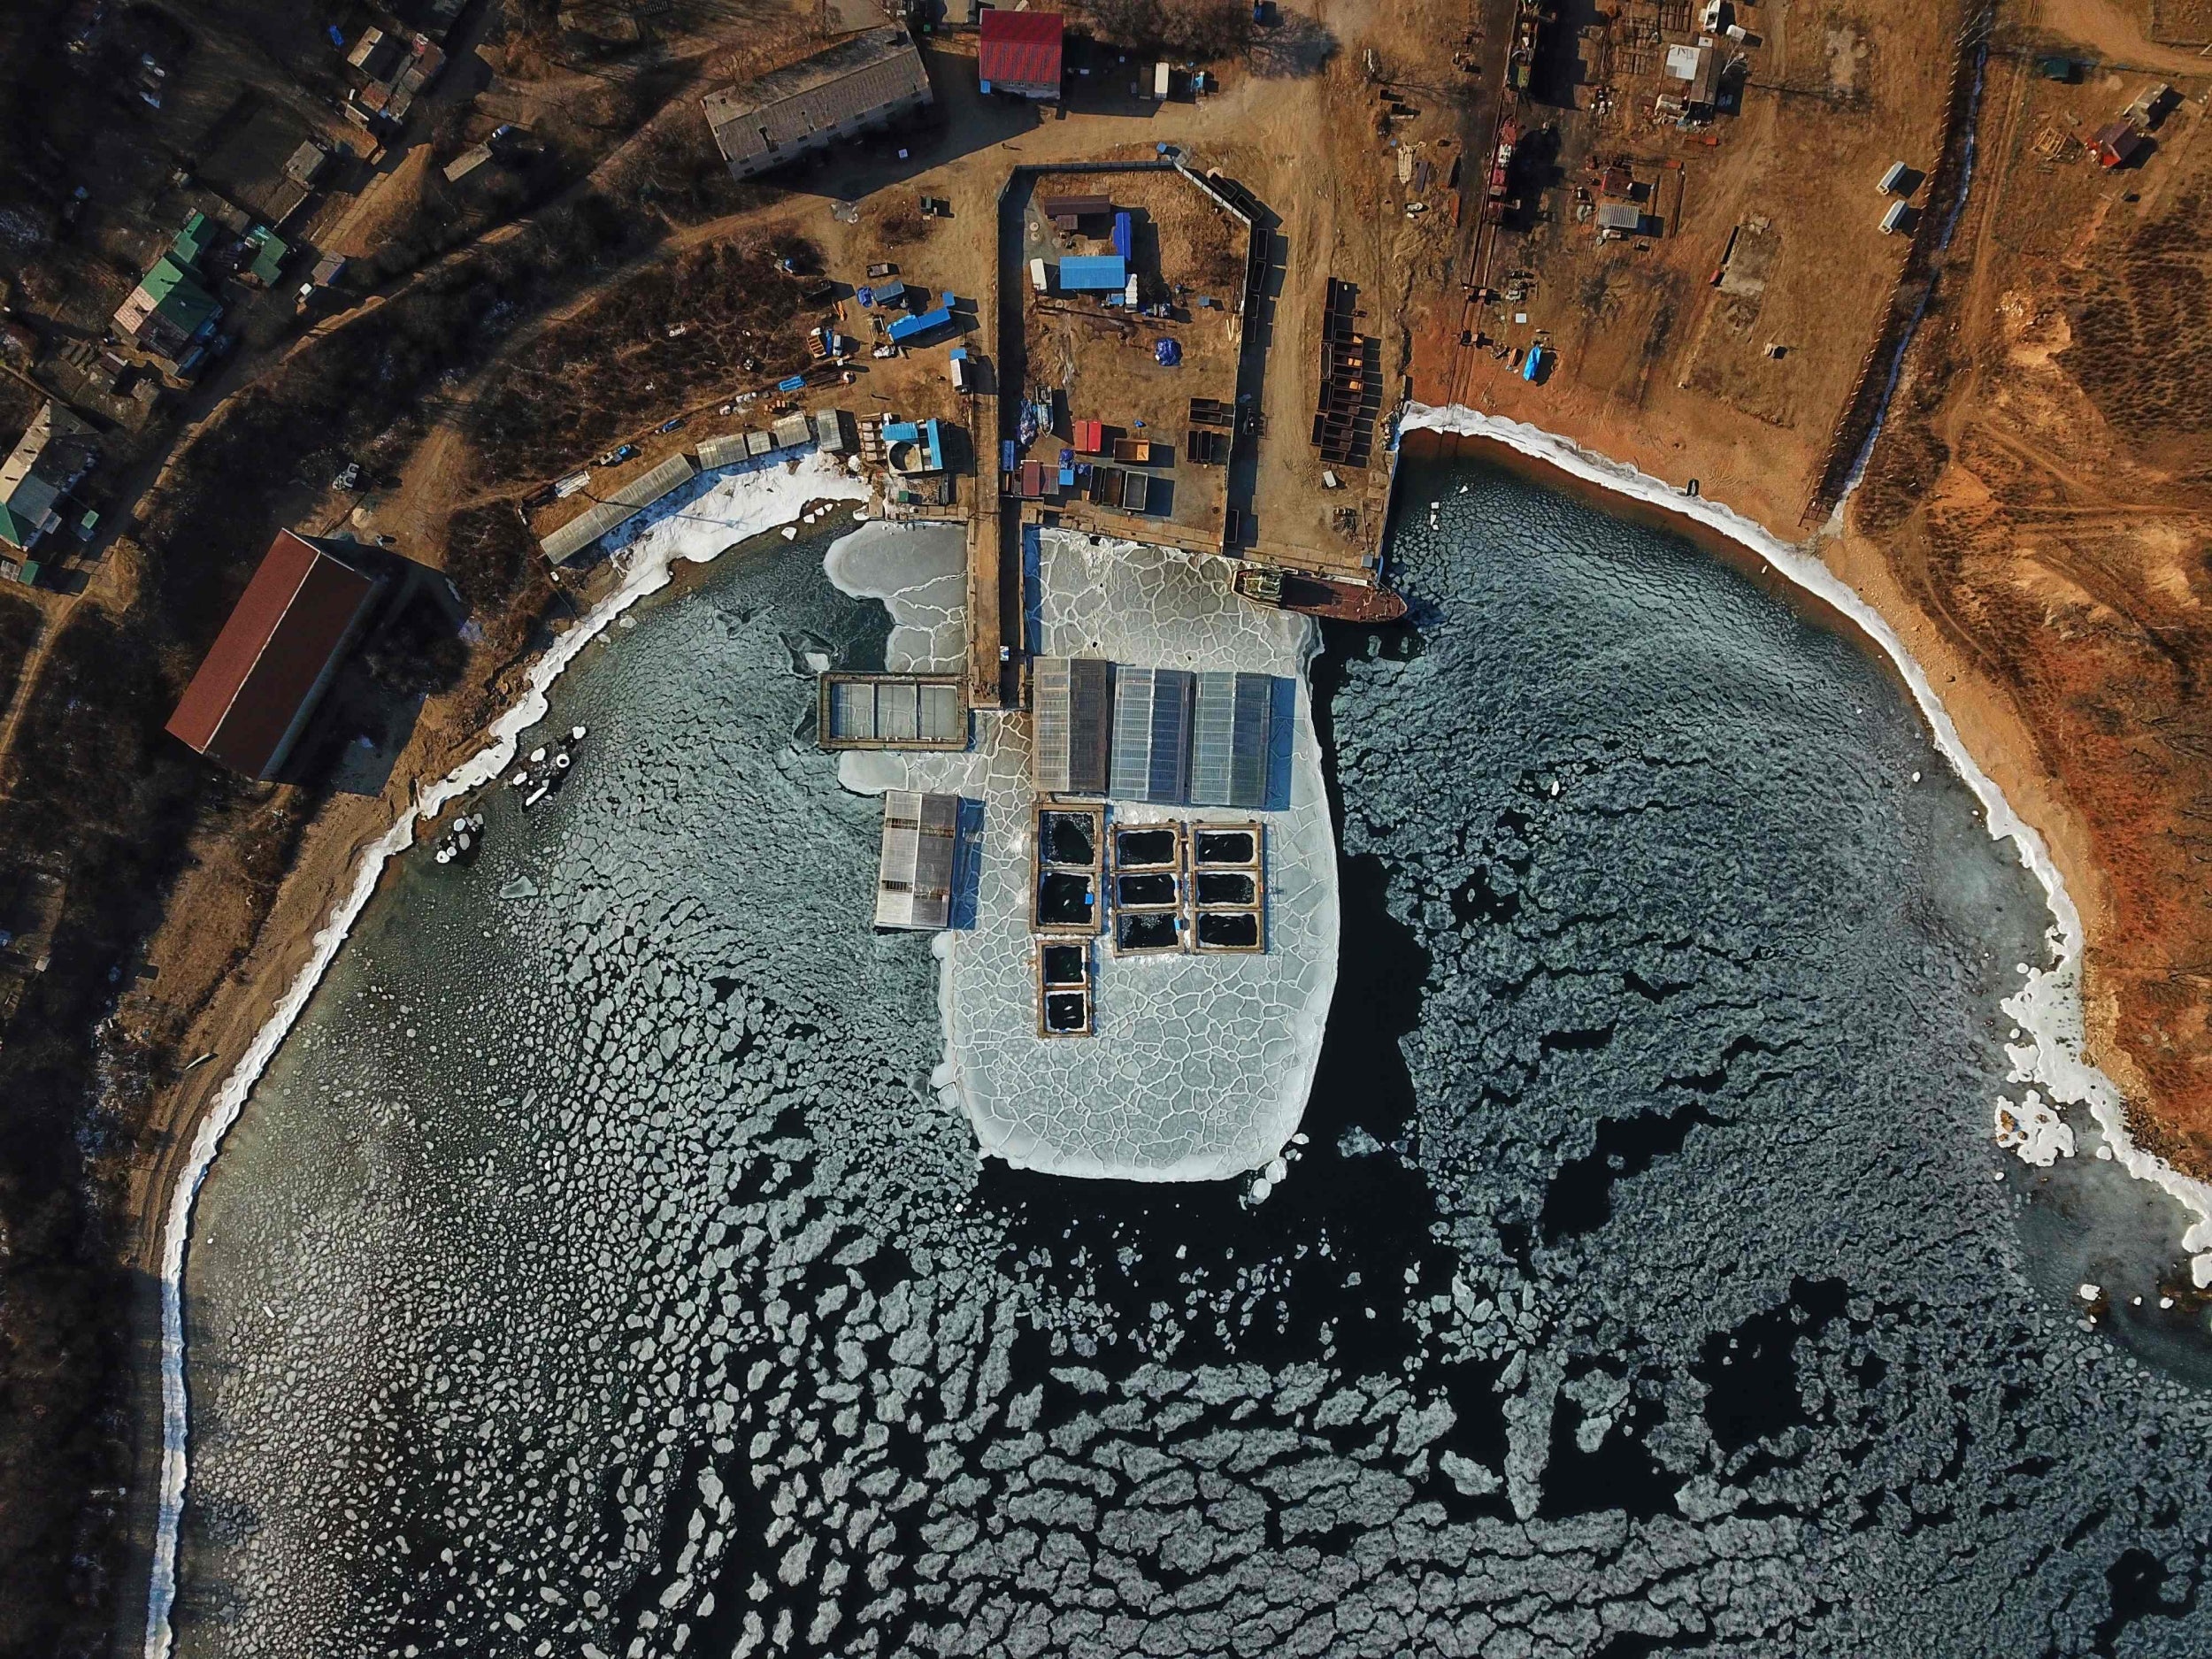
<point>2048,1006</point>
<point>741,504</point>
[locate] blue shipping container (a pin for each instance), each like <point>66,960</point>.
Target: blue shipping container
<point>796,383</point>
<point>1093,274</point>
<point>911,327</point>
<point>1009,456</point>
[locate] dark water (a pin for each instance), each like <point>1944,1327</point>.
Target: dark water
<point>597,1274</point>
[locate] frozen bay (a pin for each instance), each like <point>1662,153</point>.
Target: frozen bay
<point>598,1268</point>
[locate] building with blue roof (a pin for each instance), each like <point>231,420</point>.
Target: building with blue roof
<point>1093,274</point>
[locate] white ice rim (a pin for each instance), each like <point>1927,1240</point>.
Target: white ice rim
<point>763,497</point>
<point>2048,1006</point>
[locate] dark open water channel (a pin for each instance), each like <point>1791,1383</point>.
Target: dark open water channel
<point>595,1274</point>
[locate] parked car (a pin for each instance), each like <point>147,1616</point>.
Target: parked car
<point>877,273</point>
<point>670,424</point>
<point>617,456</point>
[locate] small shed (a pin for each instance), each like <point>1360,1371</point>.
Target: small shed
<point>1892,179</point>
<point>2116,144</point>
<point>1090,437</point>
<point>1621,218</point>
<point>306,164</point>
<point>467,162</point>
<point>1075,208</point>
<point>1900,217</point>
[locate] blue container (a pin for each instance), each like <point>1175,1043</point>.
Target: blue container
<point>1010,457</point>
<point>1535,362</point>
<point>796,383</point>
<point>1124,233</point>
<point>1093,274</point>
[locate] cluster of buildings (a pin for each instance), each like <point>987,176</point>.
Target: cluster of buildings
<point>394,70</point>
<point>2122,140</point>
<point>171,315</point>
<point>1158,736</point>
<point>51,458</point>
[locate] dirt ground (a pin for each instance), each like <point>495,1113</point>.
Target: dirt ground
<point>2037,513</point>
<point>1737,383</point>
<point>1102,361</point>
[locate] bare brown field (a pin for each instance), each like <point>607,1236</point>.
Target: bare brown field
<point>2038,512</point>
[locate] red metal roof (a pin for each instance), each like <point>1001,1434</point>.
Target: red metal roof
<point>1020,50</point>
<point>268,664</point>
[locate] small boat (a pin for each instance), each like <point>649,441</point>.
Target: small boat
<point>1319,596</point>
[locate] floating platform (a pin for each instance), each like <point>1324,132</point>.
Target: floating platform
<point>855,711</point>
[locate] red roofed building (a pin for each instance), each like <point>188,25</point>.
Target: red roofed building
<point>275,656</point>
<point>1020,53</point>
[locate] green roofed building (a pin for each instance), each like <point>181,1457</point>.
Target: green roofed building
<point>168,313</point>
<point>193,242</point>
<point>267,252</point>
<point>55,452</point>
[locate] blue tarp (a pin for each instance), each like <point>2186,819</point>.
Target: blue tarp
<point>1093,274</point>
<point>1535,362</point>
<point>1124,233</point>
<point>913,327</point>
<point>1167,352</point>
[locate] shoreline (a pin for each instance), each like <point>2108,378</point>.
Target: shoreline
<point>768,497</point>
<point>2050,1008</point>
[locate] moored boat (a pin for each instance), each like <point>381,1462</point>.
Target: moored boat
<point>1318,596</point>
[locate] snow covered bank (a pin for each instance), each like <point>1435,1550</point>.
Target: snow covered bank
<point>692,527</point>
<point>2048,1006</point>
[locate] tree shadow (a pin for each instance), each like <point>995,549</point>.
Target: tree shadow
<point>1296,47</point>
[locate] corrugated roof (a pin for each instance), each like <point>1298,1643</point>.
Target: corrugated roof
<point>1151,757</point>
<point>1083,274</point>
<point>262,676</point>
<point>921,834</point>
<point>856,77</point>
<point>619,507</point>
<point>1232,732</point>
<point>1020,52</point>
<point>170,290</point>
<point>1073,700</point>
<point>726,451</point>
